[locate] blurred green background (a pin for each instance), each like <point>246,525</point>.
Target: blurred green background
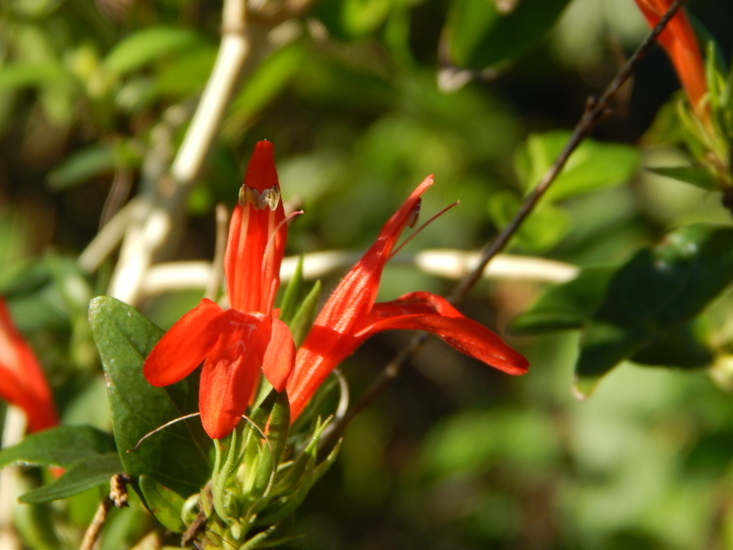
<point>452,455</point>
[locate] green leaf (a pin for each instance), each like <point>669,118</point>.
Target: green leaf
<point>81,166</point>
<point>479,34</point>
<point>26,75</point>
<point>292,293</point>
<point>166,505</point>
<point>542,229</point>
<point>566,306</point>
<point>592,166</point>
<point>82,475</point>
<point>303,318</point>
<point>174,456</point>
<point>654,293</point>
<point>60,446</point>
<point>694,175</point>
<point>679,347</point>
<point>145,46</point>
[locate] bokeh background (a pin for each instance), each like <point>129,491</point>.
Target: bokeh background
<point>452,455</point>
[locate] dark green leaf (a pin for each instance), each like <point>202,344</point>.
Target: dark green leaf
<point>694,175</point>
<point>61,446</point>
<point>165,504</point>
<point>82,475</point>
<point>147,45</point>
<point>655,292</point>
<point>82,165</point>
<point>173,456</point>
<point>566,306</point>
<point>480,35</point>
<point>679,347</point>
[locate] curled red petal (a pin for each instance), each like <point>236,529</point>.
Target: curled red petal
<point>184,346</point>
<point>431,313</point>
<point>280,355</point>
<point>231,371</point>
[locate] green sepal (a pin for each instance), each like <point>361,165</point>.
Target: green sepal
<point>694,175</point>
<point>293,291</point>
<point>303,318</point>
<point>166,505</point>
<point>84,474</point>
<point>61,446</point>
<point>175,456</point>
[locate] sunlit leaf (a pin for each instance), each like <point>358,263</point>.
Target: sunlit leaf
<point>175,456</point>
<point>694,175</point>
<point>145,46</point>
<point>165,504</point>
<point>593,165</point>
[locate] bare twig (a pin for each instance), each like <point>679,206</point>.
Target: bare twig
<point>117,497</point>
<point>595,111</point>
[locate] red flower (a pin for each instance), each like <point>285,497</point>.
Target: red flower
<point>22,381</point>
<point>679,41</point>
<point>351,316</point>
<point>239,342</point>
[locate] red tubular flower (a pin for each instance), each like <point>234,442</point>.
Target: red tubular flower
<point>237,343</point>
<point>679,41</point>
<point>22,381</point>
<point>351,315</point>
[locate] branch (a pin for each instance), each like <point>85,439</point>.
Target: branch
<point>450,264</point>
<point>595,111</point>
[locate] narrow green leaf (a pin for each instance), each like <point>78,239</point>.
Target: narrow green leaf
<point>292,293</point>
<point>60,446</point>
<point>25,75</point>
<point>82,475</point>
<point>566,306</point>
<point>145,46</point>
<point>694,175</point>
<point>173,456</point>
<point>303,318</point>
<point>82,166</point>
<point>166,505</point>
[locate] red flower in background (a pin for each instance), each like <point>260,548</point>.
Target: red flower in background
<point>351,315</point>
<point>236,344</point>
<point>22,382</point>
<point>679,41</point>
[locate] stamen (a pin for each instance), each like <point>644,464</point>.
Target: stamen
<point>156,430</point>
<point>423,226</point>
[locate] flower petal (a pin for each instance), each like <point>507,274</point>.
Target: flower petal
<point>22,381</point>
<point>184,346</point>
<point>331,339</point>
<point>231,371</point>
<point>257,235</point>
<point>679,40</point>
<point>431,313</point>
<point>280,355</point>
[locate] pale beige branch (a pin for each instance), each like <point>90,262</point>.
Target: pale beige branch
<point>450,264</point>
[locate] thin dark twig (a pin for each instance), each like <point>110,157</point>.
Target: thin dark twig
<point>117,497</point>
<point>596,110</point>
